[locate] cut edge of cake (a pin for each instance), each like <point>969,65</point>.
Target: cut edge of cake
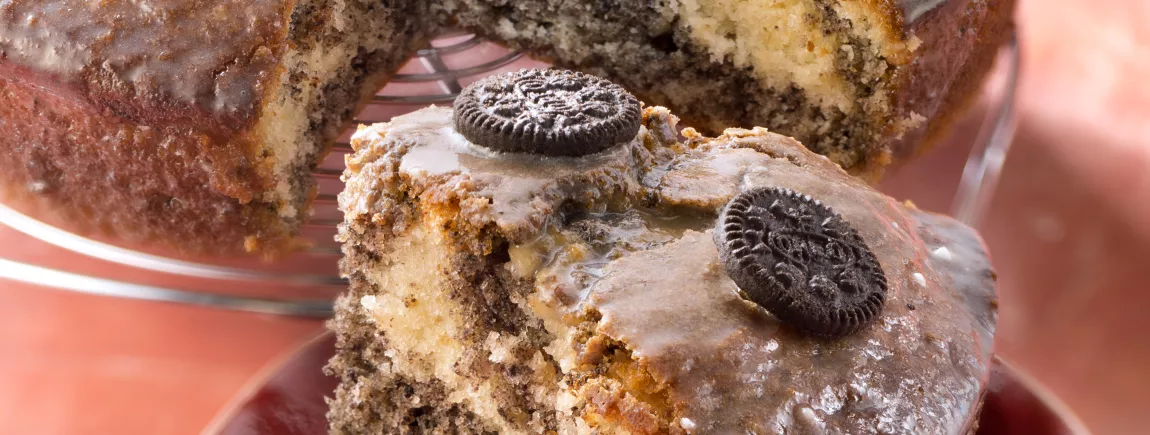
<point>336,58</point>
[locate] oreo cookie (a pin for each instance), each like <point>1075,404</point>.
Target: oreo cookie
<point>801,261</point>
<point>547,112</point>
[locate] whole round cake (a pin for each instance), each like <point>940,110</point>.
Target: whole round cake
<point>718,285</point>
<point>129,118</point>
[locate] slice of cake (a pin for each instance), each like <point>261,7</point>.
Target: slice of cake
<point>544,259</point>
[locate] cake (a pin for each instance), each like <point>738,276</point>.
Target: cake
<point>196,124</point>
<point>866,83</point>
<point>543,282</point>
<point>191,123</point>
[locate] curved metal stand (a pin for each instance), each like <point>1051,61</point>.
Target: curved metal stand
<point>983,167</point>
<point>98,286</point>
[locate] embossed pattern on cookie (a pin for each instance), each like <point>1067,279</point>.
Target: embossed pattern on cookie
<point>547,112</point>
<point>801,261</point>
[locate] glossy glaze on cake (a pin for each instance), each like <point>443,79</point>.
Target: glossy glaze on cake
<point>496,293</point>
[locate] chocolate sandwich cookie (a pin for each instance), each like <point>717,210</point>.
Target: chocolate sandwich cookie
<point>801,261</point>
<point>547,112</point>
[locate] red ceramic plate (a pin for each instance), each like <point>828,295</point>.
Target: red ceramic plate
<point>287,398</point>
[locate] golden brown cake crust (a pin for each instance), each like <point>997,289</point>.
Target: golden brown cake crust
<point>169,183</point>
<point>994,29</point>
<point>147,120</point>
<point>138,121</point>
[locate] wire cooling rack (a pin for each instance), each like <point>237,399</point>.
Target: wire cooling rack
<point>306,283</point>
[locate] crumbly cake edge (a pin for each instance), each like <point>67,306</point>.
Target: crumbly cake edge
<point>323,82</point>
<point>498,310</point>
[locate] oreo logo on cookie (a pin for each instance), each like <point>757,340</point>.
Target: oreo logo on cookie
<point>801,261</point>
<point>547,112</point>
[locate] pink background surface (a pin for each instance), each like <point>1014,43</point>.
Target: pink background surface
<point>1069,229</point>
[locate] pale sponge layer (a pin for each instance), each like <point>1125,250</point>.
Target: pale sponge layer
<point>776,39</point>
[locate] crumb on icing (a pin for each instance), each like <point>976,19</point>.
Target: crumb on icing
<point>919,279</point>
<point>687,423</point>
<point>942,253</point>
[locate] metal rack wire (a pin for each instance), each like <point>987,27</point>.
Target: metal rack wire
<point>436,75</point>
<point>984,165</point>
